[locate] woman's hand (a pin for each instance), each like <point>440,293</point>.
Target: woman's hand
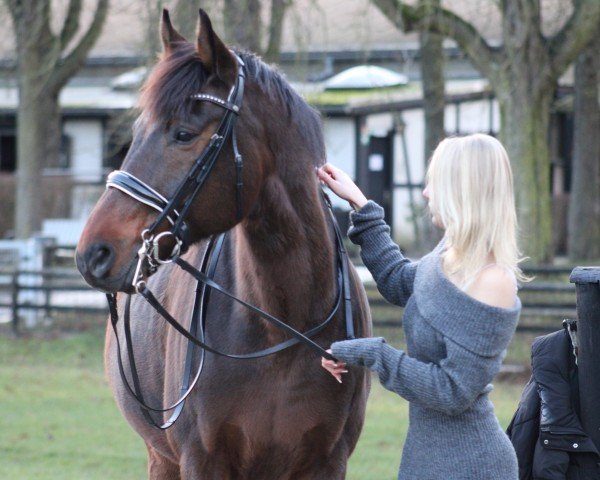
<point>336,369</point>
<point>342,185</point>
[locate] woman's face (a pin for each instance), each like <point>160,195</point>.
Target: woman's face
<point>435,219</point>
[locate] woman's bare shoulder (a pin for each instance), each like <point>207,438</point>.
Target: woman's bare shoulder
<point>495,286</point>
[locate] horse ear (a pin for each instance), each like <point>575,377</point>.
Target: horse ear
<point>170,37</point>
<point>213,53</point>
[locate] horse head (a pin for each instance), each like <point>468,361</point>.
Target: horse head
<point>183,106</point>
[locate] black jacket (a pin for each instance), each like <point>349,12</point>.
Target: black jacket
<point>545,431</point>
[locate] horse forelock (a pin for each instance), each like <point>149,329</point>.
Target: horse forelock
<point>180,74</point>
<point>175,78</point>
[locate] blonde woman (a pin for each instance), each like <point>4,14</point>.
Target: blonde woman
<point>461,310</point>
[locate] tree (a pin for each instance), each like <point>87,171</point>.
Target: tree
<point>432,76</point>
<point>523,73</point>
<point>584,204</point>
<point>244,27</point>
<point>432,79</point>
<point>242,23</point>
<point>46,61</point>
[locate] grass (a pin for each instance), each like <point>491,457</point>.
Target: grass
<point>59,420</point>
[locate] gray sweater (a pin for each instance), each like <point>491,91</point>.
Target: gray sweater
<point>455,345</point>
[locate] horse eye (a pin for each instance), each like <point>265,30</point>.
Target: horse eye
<point>183,136</point>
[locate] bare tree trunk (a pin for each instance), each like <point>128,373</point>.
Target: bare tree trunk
<point>152,43</point>
<point>278,8</point>
<point>44,68</point>
<point>432,78</point>
<point>524,133</point>
<point>38,140</point>
<point>186,18</point>
<point>432,75</point>
<point>584,206</point>
<point>243,26</point>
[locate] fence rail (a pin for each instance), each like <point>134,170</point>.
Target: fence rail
<point>49,291</point>
<point>546,300</point>
<point>37,292</point>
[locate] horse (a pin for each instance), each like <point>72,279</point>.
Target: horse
<point>277,417</point>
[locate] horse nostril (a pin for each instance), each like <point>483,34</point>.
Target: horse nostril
<point>100,259</point>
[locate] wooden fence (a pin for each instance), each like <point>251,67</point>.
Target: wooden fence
<point>45,293</point>
<point>546,300</point>
<point>26,296</point>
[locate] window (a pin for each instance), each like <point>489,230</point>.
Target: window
<point>8,152</point>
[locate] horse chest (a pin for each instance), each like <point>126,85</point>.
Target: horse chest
<point>276,415</point>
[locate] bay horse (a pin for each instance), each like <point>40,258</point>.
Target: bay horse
<point>277,417</point>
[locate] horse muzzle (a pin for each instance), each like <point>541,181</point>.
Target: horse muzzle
<point>96,264</point>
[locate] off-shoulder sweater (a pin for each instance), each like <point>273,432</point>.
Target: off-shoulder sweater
<point>455,346</point>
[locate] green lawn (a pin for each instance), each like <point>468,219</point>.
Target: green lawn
<point>58,418</point>
<point>59,421</point>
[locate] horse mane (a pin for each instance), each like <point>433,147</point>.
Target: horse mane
<point>272,82</point>
<point>180,74</point>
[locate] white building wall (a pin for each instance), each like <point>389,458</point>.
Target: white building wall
<point>340,143</point>
<point>380,124</point>
<point>473,117</point>
<point>87,150</point>
<point>409,167</point>
<point>87,140</point>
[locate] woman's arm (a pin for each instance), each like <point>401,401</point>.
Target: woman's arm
<point>393,273</point>
<point>450,387</point>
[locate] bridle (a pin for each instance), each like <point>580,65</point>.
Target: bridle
<point>188,188</point>
<point>148,260</point>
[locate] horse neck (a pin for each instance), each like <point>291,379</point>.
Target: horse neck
<point>285,253</point>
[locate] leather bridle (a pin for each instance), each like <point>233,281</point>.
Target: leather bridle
<point>149,260</point>
<point>188,188</point>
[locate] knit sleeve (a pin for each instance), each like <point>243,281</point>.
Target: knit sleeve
<point>393,273</point>
<point>450,387</point>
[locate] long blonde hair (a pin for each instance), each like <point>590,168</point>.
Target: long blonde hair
<point>471,191</point>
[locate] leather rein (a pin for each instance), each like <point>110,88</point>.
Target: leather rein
<point>149,260</point>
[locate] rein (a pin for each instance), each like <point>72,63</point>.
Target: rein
<point>149,260</point>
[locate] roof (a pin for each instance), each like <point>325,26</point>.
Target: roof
<point>365,76</point>
<point>103,101</point>
<point>81,100</point>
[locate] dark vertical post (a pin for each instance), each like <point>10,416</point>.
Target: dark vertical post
<point>15,302</point>
<point>587,282</point>
<point>362,152</point>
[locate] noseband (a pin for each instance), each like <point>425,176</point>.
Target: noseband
<point>174,211</point>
